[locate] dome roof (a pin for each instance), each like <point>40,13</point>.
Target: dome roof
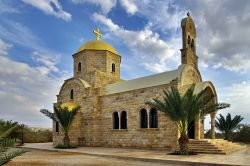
<point>97,45</point>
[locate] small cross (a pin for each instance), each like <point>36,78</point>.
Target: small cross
<point>97,33</point>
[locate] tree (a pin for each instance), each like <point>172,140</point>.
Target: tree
<point>64,116</point>
<point>6,128</point>
<point>182,110</point>
<point>228,125</point>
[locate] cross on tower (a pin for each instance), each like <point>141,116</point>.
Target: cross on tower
<point>97,33</point>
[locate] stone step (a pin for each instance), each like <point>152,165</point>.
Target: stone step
<point>198,147</point>
<point>213,146</point>
<point>207,150</point>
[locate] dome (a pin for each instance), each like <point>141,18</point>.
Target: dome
<point>97,45</point>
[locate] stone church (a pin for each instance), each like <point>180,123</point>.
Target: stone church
<point>113,111</point>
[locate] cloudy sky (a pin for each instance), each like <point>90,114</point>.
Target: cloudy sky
<point>38,37</point>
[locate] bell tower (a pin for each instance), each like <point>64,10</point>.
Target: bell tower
<point>188,51</point>
<point>97,62</point>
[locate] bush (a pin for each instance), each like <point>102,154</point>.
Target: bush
<point>32,135</point>
<point>243,134</point>
<point>36,135</point>
<point>6,157</point>
<point>65,147</point>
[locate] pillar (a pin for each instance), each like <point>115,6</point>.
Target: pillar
<point>212,115</point>
<point>148,114</point>
<point>197,128</point>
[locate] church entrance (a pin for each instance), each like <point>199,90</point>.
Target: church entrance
<point>191,130</point>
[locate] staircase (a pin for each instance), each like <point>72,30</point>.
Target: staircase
<point>213,146</point>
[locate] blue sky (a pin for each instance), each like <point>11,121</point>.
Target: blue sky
<point>38,39</point>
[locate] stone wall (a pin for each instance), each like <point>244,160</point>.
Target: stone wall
<point>165,136</point>
<point>96,66</point>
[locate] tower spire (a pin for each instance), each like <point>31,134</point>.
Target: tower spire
<point>188,51</point>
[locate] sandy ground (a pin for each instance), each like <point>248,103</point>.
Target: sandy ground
<point>45,158</point>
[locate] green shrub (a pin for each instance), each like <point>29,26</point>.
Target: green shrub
<point>8,142</point>
<point>65,147</point>
<point>243,134</point>
<point>37,135</point>
<point>6,157</point>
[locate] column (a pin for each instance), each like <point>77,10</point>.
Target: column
<point>212,115</point>
<point>197,128</point>
<point>148,115</point>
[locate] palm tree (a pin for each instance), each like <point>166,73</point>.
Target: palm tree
<point>228,125</point>
<point>6,128</point>
<point>64,116</point>
<point>184,109</point>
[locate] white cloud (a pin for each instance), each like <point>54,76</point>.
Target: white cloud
<point>105,5</point>
<point>4,47</point>
<point>238,95</point>
<point>164,15</point>
<point>222,43</point>
<point>52,7</point>
<point>129,6</point>
<point>49,63</point>
<point>150,51</point>
<point>6,7</point>
<point>25,89</point>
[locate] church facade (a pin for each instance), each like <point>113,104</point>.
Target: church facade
<point>113,111</point>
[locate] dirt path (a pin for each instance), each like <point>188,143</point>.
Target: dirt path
<point>45,158</point>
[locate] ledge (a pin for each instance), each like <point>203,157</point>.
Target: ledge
<point>116,130</point>
<point>150,129</point>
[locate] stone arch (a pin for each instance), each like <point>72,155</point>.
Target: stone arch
<point>153,118</point>
<point>79,67</point>
<point>189,75</point>
<point>113,67</point>
<point>192,45</point>
<point>115,118</point>
<point>206,85</point>
<point>73,83</point>
<point>72,94</point>
<point>199,124</point>
<point>123,120</point>
<point>143,118</point>
<point>188,41</point>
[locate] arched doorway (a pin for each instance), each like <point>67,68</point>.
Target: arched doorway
<point>199,122</point>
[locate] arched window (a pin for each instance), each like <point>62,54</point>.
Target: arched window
<point>79,67</point>
<point>144,118</point>
<point>153,118</point>
<point>115,120</point>
<point>189,41</point>
<point>57,126</point>
<point>113,67</point>
<point>71,94</point>
<point>192,44</point>
<point>123,120</point>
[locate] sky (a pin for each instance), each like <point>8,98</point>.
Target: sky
<point>39,37</point>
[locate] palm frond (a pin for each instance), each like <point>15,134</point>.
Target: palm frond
<point>227,125</point>
<point>49,114</point>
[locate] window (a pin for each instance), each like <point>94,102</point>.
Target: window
<point>153,118</point>
<point>57,126</point>
<point>189,41</point>
<point>72,94</point>
<point>123,120</point>
<point>115,120</point>
<point>79,68</point>
<point>192,44</point>
<point>144,118</point>
<point>113,67</point>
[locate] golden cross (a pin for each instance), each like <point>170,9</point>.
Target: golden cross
<point>97,33</point>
